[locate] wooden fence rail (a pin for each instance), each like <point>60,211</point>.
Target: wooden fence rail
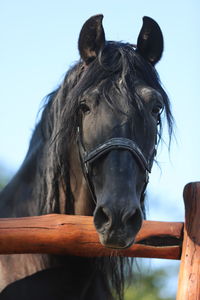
<point>76,235</point>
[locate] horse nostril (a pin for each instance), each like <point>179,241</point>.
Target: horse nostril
<point>134,221</point>
<point>102,218</point>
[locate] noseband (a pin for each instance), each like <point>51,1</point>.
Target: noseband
<point>118,143</point>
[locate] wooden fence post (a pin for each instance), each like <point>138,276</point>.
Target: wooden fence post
<point>189,274</point>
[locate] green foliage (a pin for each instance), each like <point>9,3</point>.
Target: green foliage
<point>4,177</point>
<point>147,285</point>
<point>3,182</point>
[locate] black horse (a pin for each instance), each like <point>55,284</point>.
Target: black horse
<point>90,154</point>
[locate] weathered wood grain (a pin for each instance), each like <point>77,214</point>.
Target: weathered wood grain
<point>76,235</point>
<point>189,274</point>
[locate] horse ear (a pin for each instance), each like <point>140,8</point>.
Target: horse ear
<point>91,38</point>
<point>150,41</point>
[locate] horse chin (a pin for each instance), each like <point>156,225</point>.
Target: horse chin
<point>116,243</point>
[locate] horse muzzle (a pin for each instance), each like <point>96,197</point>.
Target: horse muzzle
<point>117,231</point>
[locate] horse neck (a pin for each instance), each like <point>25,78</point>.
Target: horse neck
<point>16,199</point>
<point>25,195</point>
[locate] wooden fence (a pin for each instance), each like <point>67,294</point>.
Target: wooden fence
<point>76,235</point>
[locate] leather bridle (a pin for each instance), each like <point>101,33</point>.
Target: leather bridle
<point>117,143</point>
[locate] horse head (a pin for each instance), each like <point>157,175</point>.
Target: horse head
<point>118,115</point>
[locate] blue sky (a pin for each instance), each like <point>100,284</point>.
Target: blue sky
<point>39,43</point>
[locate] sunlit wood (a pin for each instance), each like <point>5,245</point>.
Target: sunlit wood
<point>189,275</point>
<point>76,235</point>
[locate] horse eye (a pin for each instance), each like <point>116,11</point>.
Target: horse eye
<point>84,107</point>
<point>157,109</point>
